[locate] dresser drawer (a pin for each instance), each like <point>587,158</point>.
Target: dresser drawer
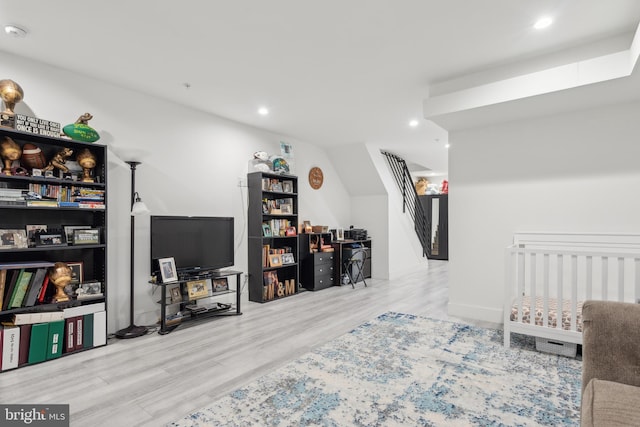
<point>321,282</point>
<point>323,270</point>
<point>323,258</point>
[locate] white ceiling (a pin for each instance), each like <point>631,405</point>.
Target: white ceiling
<point>331,72</point>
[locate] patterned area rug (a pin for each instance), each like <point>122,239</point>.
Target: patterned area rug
<point>402,369</point>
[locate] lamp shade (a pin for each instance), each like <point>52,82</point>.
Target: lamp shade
<point>139,208</point>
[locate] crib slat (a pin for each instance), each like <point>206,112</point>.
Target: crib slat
<point>574,291</point>
<point>605,278</point>
<point>589,272</point>
<point>520,282</point>
<point>532,286</point>
<point>545,300</point>
<point>560,298</point>
<point>636,296</point>
<point>620,279</point>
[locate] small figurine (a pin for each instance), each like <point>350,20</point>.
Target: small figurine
<point>59,160</point>
<point>10,151</point>
<point>421,186</point>
<point>80,130</point>
<point>60,276</point>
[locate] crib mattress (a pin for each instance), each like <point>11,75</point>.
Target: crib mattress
<point>552,313</point>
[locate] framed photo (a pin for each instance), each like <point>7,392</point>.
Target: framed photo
<point>339,233</point>
<point>12,239</point>
<point>50,238</point>
<point>288,258</point>
<point>197,289</point>
<point>69,229</point>
<point>168,270</point>
<point>89,236</point>
<point>32,231</point>
<point>36,172</point>
<point>220,284</point>
<point>266,230</point>
<point>176,295</point>
<point>276,186</point>
<point>287,186</point>
<point>286,208</point>
<point>89,290</point>
<point>77,272</point>
<point>275,260</point>
<point>291,231</point>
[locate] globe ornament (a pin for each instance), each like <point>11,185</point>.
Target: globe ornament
<point>280,165</point>
<point>80,130</point>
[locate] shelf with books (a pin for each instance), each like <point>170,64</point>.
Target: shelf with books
<point>273,237</point>
<point>49,208</point>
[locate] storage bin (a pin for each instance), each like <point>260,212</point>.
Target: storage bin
<point>556,347</point>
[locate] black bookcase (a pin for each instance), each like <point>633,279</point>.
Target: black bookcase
<point>56,211</point>
<point>272,231</point>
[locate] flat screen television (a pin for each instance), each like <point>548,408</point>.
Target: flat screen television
<point>195,242</point>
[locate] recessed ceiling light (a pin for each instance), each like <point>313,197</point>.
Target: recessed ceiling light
<point>413,123</point>
<point>542,23</point>
<point>263,111</point>
<point>15,31</point>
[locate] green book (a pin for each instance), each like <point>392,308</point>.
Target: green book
<point>38,342</point>
<point>56,339</point>
<point>87,330</point>
<point>22,283</point>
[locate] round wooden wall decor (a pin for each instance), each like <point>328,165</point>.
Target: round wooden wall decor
<point>315,177</point>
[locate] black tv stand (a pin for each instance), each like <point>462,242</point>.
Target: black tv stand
<point>188,315</point>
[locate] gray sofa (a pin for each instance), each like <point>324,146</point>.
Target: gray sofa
<point>611,364</point>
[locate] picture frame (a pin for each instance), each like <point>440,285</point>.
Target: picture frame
<point>197,289</point>
<point>168,270</point>
<point>77,272</point>
<point>32,231</point>
<point>286,208</point>
<point>69,229</point>
<point>220,284</point>
<point>36,172</point>
<point>13,239</point>
<point>90,236</point>
<point>89,290</point>
<point>266,230</point>
<point>287,186</point>
<point>51,238</point>
<point>288,258</point>
<point>176,294</point>
<point>290,231</point>
<point>339,234</point>
<point>276,186</point>
<point>275,260</point>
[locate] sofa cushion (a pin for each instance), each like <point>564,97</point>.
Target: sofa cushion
<point>610,404</point>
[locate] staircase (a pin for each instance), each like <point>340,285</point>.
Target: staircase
<point>410,200</point>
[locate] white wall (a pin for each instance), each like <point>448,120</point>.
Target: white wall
<point>573,172</point>
<point>191,165</point>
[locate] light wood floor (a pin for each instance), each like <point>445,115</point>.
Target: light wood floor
<point>155,379</point>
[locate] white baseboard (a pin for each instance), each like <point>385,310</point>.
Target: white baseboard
<point>485,314</point>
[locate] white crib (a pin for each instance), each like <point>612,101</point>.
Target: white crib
<point>549,275</point>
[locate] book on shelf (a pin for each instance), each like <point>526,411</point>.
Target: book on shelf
<point>10,347</point>
<point>35,286</point>
<point>55,339</point>
<point>10,285</point>
<point>43,290</point>
<point>3,279</point>
<point>81,310</point>
<point>22,284</point>
<point>79,332</point>
<point>36,317</point>
<point>42,202</point>
<point>99,328</point>
<point>25,338</point>
<point>38,342</point>
<point>87,330</point>
<point>70,333</point>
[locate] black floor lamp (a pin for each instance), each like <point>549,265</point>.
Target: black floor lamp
<point>137,208</point>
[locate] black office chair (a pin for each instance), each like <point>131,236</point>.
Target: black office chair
<point>353,266</point>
